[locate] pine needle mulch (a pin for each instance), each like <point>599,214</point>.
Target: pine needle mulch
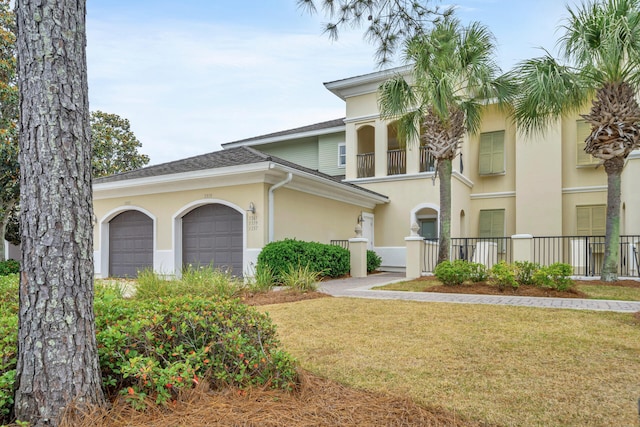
<point>317,402</point>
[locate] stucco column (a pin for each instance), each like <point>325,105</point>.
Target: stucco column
<point>415,247</point>
<point>381,146</point>
<point>358,260</point>
<point>413,157</point>
<point>522,246</point>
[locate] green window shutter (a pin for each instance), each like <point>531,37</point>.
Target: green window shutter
<point>591,220</point>
<point>491,153</point>
<point>598,220</point>
<point>583,131</point>
<point>491,223</point>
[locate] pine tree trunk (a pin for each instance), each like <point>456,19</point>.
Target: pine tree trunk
<point>57,353</point>
<point>444,174</point>
<point>613,167</point>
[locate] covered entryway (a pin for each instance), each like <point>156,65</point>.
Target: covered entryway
<point>212,235</point>
<point>130,244</point>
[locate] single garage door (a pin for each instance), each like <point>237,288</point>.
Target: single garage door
<point>130,244</point>
<point>212,235</point>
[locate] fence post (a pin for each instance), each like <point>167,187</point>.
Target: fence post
<point>358,254</point>
<point>415,247</point>
<point>522,245</point>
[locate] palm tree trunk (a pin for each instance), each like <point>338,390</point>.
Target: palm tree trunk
<point>613,167</point>
<point>444,173</point>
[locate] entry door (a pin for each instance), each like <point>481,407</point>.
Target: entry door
<point>367,229</point>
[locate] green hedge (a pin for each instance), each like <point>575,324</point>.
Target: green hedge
<point>281,256</point>
<point>373,261</point>
<point>10,266</point>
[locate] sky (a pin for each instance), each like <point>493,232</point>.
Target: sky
<point>195,74</point>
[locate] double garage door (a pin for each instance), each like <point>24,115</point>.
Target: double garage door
<point>211,235</point>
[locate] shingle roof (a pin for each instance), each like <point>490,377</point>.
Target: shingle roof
<point>309,128</point>
<point>218,159</point>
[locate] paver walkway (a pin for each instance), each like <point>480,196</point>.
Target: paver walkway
<point>361,288</point>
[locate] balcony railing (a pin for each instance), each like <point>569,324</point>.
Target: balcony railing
<point>366,165</point>
<point>584,253</point>
<point>396,162</point>
<point>427,161</point>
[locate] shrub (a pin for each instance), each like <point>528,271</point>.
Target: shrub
<point>477,272</point>
<point>10,266</point>
<point>373,261</point>
<point>504,275</point>
<point>328,260</point>
<point>300,278</point>
<point>157,348</point>
<point>554,276</point>
<point>262,280</point>
<point>452,273</point>
<point>525,271</point>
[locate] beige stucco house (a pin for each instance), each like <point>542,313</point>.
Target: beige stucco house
<point>317,182</point>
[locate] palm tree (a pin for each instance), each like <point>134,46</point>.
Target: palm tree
<point>601,47</point>
<point>453,76</point>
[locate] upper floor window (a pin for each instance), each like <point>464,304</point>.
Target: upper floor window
<point>491,155</point>
<point>583,131</point>
<point>591,220</point>
<point>342,155</point>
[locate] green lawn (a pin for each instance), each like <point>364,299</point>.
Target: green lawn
<point>510,366</point>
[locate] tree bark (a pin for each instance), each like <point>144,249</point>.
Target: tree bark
<point>57,354</point>
<point>613,167</point>
<point>444,222</point>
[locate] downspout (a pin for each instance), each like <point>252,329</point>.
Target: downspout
<point>271,209</point>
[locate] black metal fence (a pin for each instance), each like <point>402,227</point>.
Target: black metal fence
<point>584,253</point>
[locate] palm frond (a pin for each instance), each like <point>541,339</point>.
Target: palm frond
<point>547,90</point>
<point>396,98</point>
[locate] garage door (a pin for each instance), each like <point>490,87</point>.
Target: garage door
<point>212,234</point>
<point>130,244</point>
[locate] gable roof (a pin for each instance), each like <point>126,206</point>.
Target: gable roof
<point>322,128</point>
<point>239,156</point>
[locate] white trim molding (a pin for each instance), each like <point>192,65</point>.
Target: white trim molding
<point>592,189</point>
<point>497,195</point>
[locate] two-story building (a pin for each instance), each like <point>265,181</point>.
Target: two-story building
<point>317,182</point>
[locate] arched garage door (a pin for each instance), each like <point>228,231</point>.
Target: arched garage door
<point>130,244</point>
<point>212,234</point>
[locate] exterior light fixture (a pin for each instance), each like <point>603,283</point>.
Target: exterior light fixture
<point>252,208</point>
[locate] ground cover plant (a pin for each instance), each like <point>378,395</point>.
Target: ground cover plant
<point>497,365</point>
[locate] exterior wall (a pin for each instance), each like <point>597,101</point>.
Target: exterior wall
<point>569,203</point>
<point>507,203</point>
<point>165,208</point>
<point>303,216</point>
<point>303,152</point>
<point>630,224</point>
<point>362,106</point>
<point>328,154</point>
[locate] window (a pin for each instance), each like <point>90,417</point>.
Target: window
<point>492,225</point>
<point>428,228</point>
<point>583,131</point>
<point>591,220</point>
<point>491,156</point>
<point>342,155</point>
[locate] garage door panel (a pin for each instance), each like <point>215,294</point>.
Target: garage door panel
<point>130,244</point>
<point>213,234</point>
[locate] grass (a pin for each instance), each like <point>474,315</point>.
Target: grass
<point>510,366</point>
<point>609,292</point>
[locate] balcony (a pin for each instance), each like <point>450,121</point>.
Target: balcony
<point>396,162</point>
<point>366,165</point>
<point>427,161</point>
